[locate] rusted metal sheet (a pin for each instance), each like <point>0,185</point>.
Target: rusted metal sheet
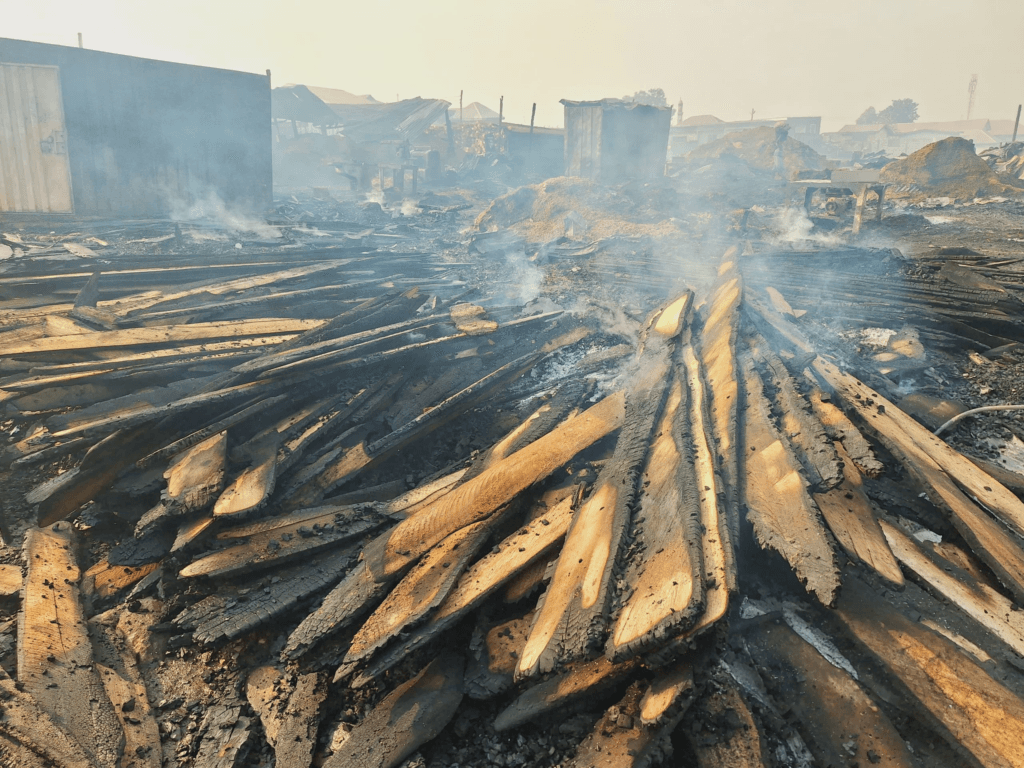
<point>34,172</point>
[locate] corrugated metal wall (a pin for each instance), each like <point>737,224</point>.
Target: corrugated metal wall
<point>583,141</point>
<point>148,138</point>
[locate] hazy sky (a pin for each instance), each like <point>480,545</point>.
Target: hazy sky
<point>723,57</point>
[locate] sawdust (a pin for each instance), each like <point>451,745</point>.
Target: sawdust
<point>765,148</point>
<point>947,168</point>
<point>537,212</point>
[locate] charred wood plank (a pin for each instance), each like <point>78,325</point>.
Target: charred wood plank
<point>839,427</point>
<point>194,479</point>
<point>494,651</point>
<point>104,579</point>
<point>223,737</point>
<point>496,486</point>
<point>841,723</point>
<point>989,540</point>
<point>227,616</point>
<point>289,709</point>
<point>666,578</point>
<point>420,591</point>
<point>293,537</point>
<point>410,716</point>
<point>622,740</point>
<point>127,692</point>
<point>782,514</point>
<point>135,337</point>
<point>527,545</point>
<point>973,711</point>
<point>739,744</point>
<point>669,694</point>
<point>805,433</point>
<point>852,519</point>
<point>55,659</point>
<point>31,737</point>
<point>718,361</point>
<point>978,600</point>
<point>571,616</point>
<point>588,679</point>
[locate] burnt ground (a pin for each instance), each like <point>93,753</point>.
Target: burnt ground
<point>619,282</point>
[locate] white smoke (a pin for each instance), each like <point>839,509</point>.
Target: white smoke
<point>210,207</point>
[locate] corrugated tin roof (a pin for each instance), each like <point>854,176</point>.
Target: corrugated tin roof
<point>401,120</point>
<point>520,128</point>
<point>606,103</point>
<point>702,120</point>
<point>297,102</point>
<point>338,96</point>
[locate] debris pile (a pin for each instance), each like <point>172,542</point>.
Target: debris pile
<point>949,168</point>
<point>764,148</point>
<point>351,505</point>
<point>539,213</point>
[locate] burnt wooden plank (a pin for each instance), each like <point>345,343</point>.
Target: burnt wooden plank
<point>419,592</point>
<point>223,737</point>
<point>669,694</point>
<point>494,652</point>
<point>666,577</point>
<point>104,579</point>
<point>851,516</point>
<point>973,711</point>
<point>289,708</point>
<point>496,486</point>
<point>805,433</point>
<point>839,721</point>
<point>126,690</point>
<point>31,737</point>
<point>165,335</point>
<point>622,740</point>
<point>725,734</point>
<point>226,616</point>
<point>410,716</point>
<point>981,602</point>
<point>839,427</point>
<point>294,537</point>
<point>571,615</point>
<point>782,514</point>
<point>989,540</point>
<point>717,350</point>
<point>515,553</point>
<point>55,659</point>
<point>560,691</point>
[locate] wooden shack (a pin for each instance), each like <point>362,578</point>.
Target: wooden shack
<point>612,140</point>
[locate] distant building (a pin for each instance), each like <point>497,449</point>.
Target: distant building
<point>612,140</point>
<point>99,134</point>
<point>703,129</point>
<point>903,138</point>
<point>538,150</point>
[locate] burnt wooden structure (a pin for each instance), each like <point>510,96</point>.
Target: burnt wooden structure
<point>611,140</point>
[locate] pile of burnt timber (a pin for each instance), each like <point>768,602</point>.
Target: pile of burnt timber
<point>714,539</point>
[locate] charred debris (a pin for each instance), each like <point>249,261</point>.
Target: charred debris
<point>571,473</point>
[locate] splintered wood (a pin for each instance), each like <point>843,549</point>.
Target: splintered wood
<point>357,519</point>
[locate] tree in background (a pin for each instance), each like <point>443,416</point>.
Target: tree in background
<point>868,117</point>
<point>900,111</point>
<point>653,96</point>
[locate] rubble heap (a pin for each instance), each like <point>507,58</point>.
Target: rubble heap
<point>342,506</point>
<point>948,168</point>
<point>765,149</point>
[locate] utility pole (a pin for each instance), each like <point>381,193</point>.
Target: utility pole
<point>1017,123</point>
<point>501,109</point>
<point>80,40</point>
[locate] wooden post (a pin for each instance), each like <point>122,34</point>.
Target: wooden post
<point>1016,124</point>
<point>80,40</point>
<point>451,133</point>
<point>533,114</point>
<point>501,109</point>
